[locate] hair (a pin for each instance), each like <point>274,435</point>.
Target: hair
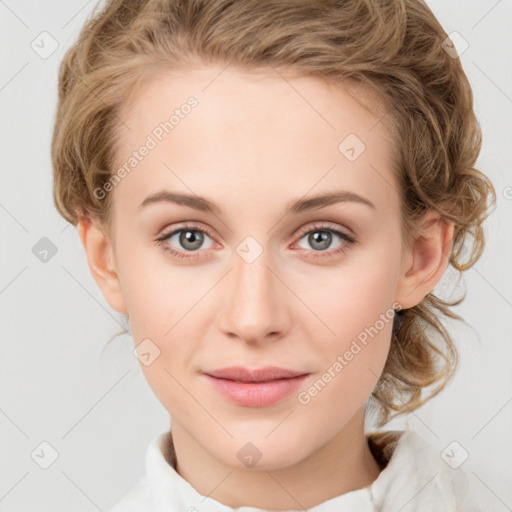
<point>393,48</point>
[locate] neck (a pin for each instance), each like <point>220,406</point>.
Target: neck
<point>342,465</point>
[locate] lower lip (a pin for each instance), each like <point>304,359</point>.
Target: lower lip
<point>256,394</point>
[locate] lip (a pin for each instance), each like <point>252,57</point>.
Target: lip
<point>259,387</point>
<point>256,375</point>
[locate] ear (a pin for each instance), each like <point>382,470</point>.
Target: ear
<point>425,262</point>
<point>101,260</point>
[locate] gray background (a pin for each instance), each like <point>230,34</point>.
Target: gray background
<point>96,411</point>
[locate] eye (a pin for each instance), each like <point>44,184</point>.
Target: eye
<point>320,237</point>
<point>189,238</point>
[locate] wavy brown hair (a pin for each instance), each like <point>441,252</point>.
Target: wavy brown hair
<point>392,48</point>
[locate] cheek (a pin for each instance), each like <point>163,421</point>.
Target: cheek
<point>159,296</point>
<point>351,298</point>
<point>162,320</point>
<point>163,308</point>
<point>355,306</point>
<point>353,361</point>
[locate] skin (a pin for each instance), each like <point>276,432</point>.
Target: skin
<point>254,144</point>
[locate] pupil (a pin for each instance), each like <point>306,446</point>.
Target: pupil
<point>323,239</point>
<point>191,237</point>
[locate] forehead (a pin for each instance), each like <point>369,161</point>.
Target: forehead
<point>226,87</point>
<point>293,133</point>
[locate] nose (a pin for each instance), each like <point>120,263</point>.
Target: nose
<point>255,306</point>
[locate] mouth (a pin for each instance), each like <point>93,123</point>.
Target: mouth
<point>261,387</point>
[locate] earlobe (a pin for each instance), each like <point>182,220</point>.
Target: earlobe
<point>101,261</point>
<point>429,255</point>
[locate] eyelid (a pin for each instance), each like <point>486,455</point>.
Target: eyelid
<point>192,225</point>
<point>320,225</point>
<point>196,225</point>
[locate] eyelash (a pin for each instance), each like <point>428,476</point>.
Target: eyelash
<point>350,240</point>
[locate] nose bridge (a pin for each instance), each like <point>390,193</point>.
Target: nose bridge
<point>252,279</point>
<point>254,307</point>
<point>251,276</point>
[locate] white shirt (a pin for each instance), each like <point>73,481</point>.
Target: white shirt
<point>415,478</point>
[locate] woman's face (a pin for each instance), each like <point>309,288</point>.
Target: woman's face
<point>250,270</point>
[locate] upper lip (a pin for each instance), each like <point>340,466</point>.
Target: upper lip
<point>255,375</point>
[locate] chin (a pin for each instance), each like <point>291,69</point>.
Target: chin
<point>260,453</point>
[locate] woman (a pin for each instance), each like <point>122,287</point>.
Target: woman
<point>270,191</point>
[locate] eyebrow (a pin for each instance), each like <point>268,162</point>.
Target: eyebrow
<point>202,204</point>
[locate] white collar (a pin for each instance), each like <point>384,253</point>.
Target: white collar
<point>416,478</point>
